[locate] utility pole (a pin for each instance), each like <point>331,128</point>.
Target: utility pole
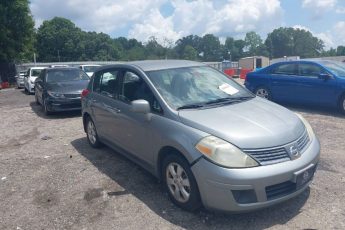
<point>35,58</point>
<point>59,55</point>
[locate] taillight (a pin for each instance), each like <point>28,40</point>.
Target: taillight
<point>85,93</point>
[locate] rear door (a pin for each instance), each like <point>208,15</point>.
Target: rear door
<point>311,88</point>
<point>284,81</point>
<point>105,92</point>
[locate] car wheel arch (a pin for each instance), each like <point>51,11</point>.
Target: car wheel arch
<point>164,152</point>
<point>85,117</point>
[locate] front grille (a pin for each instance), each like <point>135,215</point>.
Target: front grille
<point>269,156</point>
<point>280,190</point>
<point>303,141</point>
<point>278,154</point>
<point>72,95</point>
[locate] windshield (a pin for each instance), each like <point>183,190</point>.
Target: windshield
<point>337,68</point>
<point>35,72</point>
<point>195,86</point>
<point>90,68</point>
<point>58,75</point>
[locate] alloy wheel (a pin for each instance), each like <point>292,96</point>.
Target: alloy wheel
<point>261,92</point>
<point>178,182</point>
<point>91,132</point>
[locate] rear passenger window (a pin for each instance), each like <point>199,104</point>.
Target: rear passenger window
<point>285,69</point>
<point>106,83</point>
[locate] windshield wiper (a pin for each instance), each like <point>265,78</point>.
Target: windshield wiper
<point>190,106</point>
<point>228,100</point>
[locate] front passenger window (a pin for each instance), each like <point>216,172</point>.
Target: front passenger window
<point>135,88</point>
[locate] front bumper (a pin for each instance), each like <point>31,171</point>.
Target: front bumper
<point>64,104</point>
<point>240,190</point>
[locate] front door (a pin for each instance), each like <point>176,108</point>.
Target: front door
<point>312,89</point>
<point>137,128</point>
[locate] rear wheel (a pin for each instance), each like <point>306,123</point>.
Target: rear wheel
<point>180,183</point>
<point>263,92</point>
<point>91,133</point>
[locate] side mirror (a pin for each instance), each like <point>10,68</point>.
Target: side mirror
<point>324,76</point>
<point>141,106</point>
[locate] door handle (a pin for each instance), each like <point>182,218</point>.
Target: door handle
<point>111,109</point>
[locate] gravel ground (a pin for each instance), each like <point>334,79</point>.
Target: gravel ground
<point>51,179</point>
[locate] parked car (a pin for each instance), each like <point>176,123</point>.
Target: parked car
<point>20,79</point>
<point>30,77</point>
<point>209,140</point>
<point>89,69</point>
<point>319,82</point>
<point>58,66</point>
<point>59,89</point>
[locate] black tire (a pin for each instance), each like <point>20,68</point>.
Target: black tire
<point>263,92</point>
<point>93,140</point>
<point>36,99</point>
<point>26,91</point>
<point>193,203</point>
<point>45,107</point>
<point>342,104</point>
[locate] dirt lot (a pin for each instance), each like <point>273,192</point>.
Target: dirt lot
<point>51,179</point>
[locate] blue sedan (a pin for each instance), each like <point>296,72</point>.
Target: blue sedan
<point>320,82</point>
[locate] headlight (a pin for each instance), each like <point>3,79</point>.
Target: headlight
<point>224,153</point>
<point>307,126</point>
<point>55,94</point>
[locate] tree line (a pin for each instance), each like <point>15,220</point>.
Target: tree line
<point>59,39</point>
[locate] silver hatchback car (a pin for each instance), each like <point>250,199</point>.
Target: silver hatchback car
<point>208,139</point>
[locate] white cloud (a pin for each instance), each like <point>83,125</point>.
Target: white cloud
<point>340,10</point>
<point>319,7</point>
<point>231,18</point>
<point>101,16</point>
<point>142,19</point>
<point>339,31</point>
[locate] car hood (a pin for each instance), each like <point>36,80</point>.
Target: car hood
<point>256,123</point>
<point>67,86</point>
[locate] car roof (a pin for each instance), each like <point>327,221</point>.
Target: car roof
<point>150,65</point>
<point>62,68</point>
<point>38,67</point>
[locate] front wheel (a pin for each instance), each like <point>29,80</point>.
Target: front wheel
<point>45,107</point>
<point>180,183</point>
<point>36,99</point>
<point>263,92</point>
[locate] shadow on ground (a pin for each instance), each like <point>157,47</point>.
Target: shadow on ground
<point>136,181</point>
<point>37,109</point>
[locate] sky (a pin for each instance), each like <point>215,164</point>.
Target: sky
<point>169,20</point>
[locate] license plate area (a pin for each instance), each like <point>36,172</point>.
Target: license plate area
<point>302,178</point>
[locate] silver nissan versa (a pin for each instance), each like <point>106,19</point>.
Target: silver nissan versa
<point>208,139</point>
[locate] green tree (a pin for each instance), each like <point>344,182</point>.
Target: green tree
<point>293,42</point>
<point>16,31</point>
<point>253,42</point>
<point>341,51</point>
<point>189,53</point>
<point>57,40</point>
<point>211,48</point>
<point>191,40</point>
